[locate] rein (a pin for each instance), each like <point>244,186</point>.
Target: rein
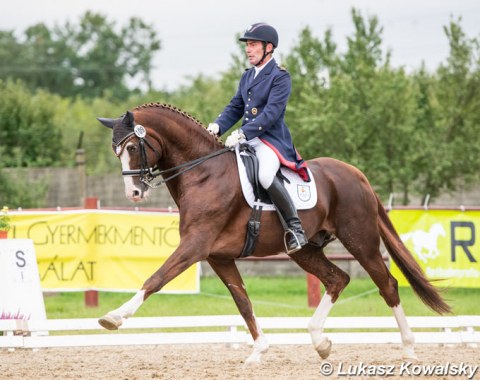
<point>148,174</point>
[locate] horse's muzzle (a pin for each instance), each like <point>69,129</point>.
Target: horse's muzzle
<point>136,194</point>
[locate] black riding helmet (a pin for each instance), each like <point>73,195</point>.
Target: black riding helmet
<point>264,33</point>
<point>261,32</point>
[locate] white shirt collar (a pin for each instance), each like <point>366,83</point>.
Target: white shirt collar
<point>260,68</point>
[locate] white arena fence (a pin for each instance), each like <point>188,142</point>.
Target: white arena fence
<point>231,329</point>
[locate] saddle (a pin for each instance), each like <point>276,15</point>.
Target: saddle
<point>303,194</point>
<point>248,170</point>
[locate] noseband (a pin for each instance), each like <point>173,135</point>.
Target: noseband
<point>148,174</point>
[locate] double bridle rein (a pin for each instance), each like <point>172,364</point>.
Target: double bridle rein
<point>148,174</point>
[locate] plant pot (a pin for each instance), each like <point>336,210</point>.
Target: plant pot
<point>3,234</point>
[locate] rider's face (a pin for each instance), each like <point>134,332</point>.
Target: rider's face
<point>254,50</point>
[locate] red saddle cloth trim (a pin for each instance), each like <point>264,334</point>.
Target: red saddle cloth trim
<point>301,169</point>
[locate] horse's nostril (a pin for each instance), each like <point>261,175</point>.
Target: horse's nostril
<point>136,193</point>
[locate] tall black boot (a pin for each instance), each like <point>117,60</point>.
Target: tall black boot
<point>296,238</point>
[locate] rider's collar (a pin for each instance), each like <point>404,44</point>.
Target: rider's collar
<point>260,68</point>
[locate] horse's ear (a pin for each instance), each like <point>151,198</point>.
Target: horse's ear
<point>128,119</point>
<point>107,122</point>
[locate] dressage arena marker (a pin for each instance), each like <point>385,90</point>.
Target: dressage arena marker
<point>231,329</point>
<point>20,290</point>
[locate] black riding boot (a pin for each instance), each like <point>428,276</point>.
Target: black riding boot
<point>281,199</point>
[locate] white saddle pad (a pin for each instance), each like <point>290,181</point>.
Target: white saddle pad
<point>304,194</point>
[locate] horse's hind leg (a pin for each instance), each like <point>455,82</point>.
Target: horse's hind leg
<point>367,252</point>
<point>388,287</point>
<point>229,274</point>
<point>313,260</point>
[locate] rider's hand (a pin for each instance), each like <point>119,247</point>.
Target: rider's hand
<point>213,129</point>
<point>236,137</point>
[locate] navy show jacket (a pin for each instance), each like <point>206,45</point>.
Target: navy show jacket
<point>262,103</point>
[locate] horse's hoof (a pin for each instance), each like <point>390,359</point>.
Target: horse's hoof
<point>110,322</point>
<point>324,348</point>
<point>260,346</point>
<point>253,359</point>
<point>409,354</point>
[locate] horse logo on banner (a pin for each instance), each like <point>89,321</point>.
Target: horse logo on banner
<point>425,244</point>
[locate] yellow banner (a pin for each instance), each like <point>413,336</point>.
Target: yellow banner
<point>103,250</point>
<point>443,242</point>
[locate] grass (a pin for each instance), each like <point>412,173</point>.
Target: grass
<point>271,296</point>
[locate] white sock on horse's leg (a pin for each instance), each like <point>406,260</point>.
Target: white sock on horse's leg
<point>130,307</point>
<point>408,339</point>
<point>260,346</point>
<point>315,327</point>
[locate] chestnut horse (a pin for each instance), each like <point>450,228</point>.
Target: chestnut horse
<point>200,174</point>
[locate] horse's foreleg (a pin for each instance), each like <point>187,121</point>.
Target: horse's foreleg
<point>114,319</point>
<point>313,260</point>
<point>229,274</point>
<point>183,257</point>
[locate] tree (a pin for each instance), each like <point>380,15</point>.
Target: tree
<point>86,59</point>
<point>17,190</point>
<point>311,65</point>
<point>29,135</point>
<point>456,159</point>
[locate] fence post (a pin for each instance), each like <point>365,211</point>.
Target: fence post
<point>82,175</point>
<point>314,292</point>
<point>91,296</point>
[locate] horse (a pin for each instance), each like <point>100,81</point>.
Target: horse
<point>161,141</point>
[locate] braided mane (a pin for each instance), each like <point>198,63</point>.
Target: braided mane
<point>177,111</point>
<point>171,108</point>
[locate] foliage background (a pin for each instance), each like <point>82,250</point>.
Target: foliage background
<point>411,132</point>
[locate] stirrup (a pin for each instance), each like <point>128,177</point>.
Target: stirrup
<point>298,247</point>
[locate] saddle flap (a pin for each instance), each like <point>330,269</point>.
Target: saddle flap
<point>250,161</point>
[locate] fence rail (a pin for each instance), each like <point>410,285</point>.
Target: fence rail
<point>231,329</point>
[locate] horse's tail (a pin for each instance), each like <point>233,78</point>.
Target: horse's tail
<point>407,264</point>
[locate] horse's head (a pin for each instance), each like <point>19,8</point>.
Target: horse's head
<point>138,156</point>
<point>437,229</point>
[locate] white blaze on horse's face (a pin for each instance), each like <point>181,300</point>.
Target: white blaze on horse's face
<point>135,192</point>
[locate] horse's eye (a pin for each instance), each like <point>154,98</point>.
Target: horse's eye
<point>132,148</point>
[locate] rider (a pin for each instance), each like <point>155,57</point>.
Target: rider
<point>261,99</point>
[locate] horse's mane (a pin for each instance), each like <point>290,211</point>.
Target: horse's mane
<point>176,111</point>
<point>171,108</point>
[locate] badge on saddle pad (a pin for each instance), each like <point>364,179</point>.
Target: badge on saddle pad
<point>304,193</point>
<point>140,131</point>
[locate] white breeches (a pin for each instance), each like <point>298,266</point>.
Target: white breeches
<point>268,162</point>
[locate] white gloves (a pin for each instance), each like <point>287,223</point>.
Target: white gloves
<point>236,137</point>
<point>213,129</point>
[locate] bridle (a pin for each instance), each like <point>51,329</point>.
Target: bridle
<point>149,174</point>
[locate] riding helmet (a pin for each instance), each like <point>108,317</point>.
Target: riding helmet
<point>261,32</point>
